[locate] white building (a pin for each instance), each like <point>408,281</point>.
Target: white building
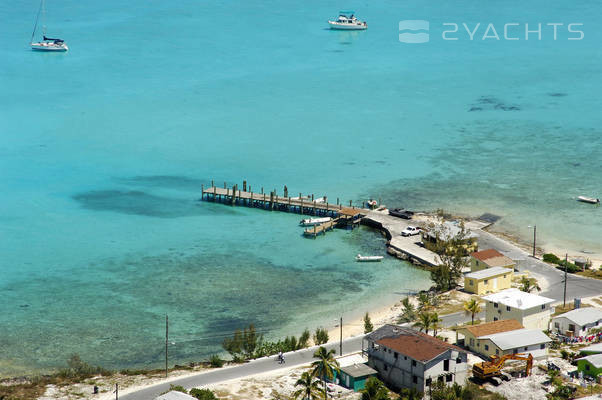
<point>531,310</point>
<point>405,358</point>
<point>577,322</point>
<point>531,341</point>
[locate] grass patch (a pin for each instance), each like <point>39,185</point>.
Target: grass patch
<point>591,273</point>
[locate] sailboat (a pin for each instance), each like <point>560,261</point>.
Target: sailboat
<point>47,43</point>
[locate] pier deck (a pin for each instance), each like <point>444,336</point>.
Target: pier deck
<point>272,201</point>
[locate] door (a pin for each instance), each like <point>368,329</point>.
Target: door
<point>494,284</point>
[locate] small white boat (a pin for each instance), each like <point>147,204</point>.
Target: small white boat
<point>46,44</point>
<point>590,200</point>
<point>347,22</point>
<point>372,204</point>
<point>314,221</point>
<point>362,258</point>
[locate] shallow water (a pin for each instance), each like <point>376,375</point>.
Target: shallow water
<point>104,150</point>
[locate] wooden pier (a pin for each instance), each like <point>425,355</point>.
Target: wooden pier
<point>341,215</point>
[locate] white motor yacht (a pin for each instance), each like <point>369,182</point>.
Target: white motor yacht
<point>347,21</point>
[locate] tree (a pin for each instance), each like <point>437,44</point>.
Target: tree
<point>424,322</point>
<point>424,301</point>
<point>374,390</point>
<point>435,323</point>
<point>243,344</point>
<point>321,336</point>
<point>451,252</point>
<point>529,284</point>
<point>410,394</point>
<point>409,312</point>
<point>368,327</point>
<point>325,366</point>
<point>472,307</point>
<point>309,387</point>
<point>304,339</point>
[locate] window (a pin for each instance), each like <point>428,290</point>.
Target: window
<point>571,327</point>
<point>413,363</point>
<point>557,325</point>
<point>446,365</point>
<point>504,276</point>
<point>386,368</point>
<point>495,305</point>
<point>405,358</point>
<point>458,360</point>
<point>470,282</point>
<point>440,378</point>
<point>486,347</point>
<point>495,318</point>
<point>542,346</point>
<point>507,308</point>
<point>478,344</point>
<point>526,348</point>
<point>471,341</point>
<point>396,355</point>
<point>428,381</point>
<point>448,378</point>
<point>543,306</point>
<point>514,351</point>
<point>485,281</point>
<point>414,379</point>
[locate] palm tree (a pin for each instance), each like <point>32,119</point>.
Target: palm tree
<point>424,322</point>
<point>472,307</point>
<point>409,312</point>
<point>309,387</point>
<point>374,390</point>
<point>435,323</point>
<point>424,301</point>
<point>528,284</point>
<point>325,366</point>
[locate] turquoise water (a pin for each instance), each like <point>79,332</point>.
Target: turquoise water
<point>104,150</point>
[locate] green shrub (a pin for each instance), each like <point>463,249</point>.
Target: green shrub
<point>551,258</point>
<point>177,388</point>
<point>202,394</point>
<point>215,361</point>
<point>304,339</point>
<point>321,336</point>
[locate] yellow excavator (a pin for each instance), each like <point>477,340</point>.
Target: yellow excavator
<point>493,369</point>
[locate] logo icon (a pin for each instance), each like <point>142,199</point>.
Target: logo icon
<point>414,25</point>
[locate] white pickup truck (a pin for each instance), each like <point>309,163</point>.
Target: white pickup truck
<point>410,231</point>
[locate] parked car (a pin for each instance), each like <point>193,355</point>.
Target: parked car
<point>410,231</point>
<point>401,213</point>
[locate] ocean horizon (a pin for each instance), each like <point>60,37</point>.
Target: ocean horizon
<point>105,149</point>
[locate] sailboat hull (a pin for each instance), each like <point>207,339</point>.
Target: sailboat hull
<point>42,46</point>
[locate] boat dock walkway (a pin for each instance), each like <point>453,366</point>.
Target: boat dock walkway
<point>407,247</point>
<point>271,201</point>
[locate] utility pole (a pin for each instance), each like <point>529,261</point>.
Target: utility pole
<point>341,337</point>
<point>534,237</point>
<point>166,341</point>
<point>566,264</point>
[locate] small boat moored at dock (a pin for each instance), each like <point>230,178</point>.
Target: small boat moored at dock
<point>314,221</point>
<point>362,258</point>
<point>590,200</point>
<point>347,22</point>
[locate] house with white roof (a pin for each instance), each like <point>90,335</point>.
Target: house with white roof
<point>593,349</point>
<point>532,341</point>
<point>531,310</point>
<point>577,322</point>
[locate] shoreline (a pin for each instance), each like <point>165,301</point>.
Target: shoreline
<point>384,313</point>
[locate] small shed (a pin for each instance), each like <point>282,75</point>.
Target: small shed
<point>590,365</point>
<point>355,376</point>
<point>174,395</point>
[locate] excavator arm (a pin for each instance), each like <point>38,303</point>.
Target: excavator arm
<point>489,369</point>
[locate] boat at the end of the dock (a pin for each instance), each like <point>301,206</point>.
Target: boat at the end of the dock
<point>314,221</point>
<point>362,258</point>
<point>590,200</point>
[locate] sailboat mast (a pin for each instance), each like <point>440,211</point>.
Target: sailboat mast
<point>44,17</point>
<point>35,27</point>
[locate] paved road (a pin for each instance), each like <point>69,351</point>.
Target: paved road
<point>577,286</point>
<point>301,357</point>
